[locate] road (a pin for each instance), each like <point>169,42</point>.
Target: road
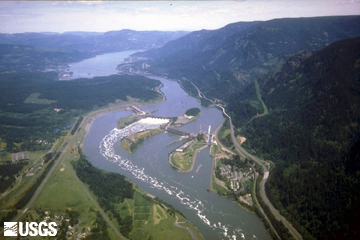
<point>18,181</point>
<point>242,152</point>
<point>263,195</point>
<point>65,145</point>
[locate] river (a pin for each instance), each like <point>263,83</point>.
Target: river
<point>216,217</point>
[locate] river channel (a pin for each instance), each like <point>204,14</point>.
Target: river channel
<point>216,217</point>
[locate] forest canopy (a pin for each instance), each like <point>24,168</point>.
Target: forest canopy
<point>35,106</point>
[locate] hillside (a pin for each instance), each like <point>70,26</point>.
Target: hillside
<point>35,107</point>
<point>29,58</point>
<point>312,135</point>
<point>227,59</point>
<point>198,41</point>
<point>54,51</point>
<point>94,43</point>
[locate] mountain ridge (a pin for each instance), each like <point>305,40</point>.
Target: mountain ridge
<point>95,43</point>
<point>249,53</point>
<point>311,134</point>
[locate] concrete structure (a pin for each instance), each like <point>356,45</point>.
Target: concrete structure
<point>182,147</point>
<point>177,131</point>
<point>137,110</point>
<point>19,156</point>
<point>209,136</point>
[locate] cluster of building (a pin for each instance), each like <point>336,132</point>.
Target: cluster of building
<point>78,231</point>
<point>65,74</point>
<point>145,66</point>
<point>235,176</point>
<point>62,69</point>
<point>128,69</point>
<point>57,68</point>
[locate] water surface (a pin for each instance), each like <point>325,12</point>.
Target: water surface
<point>216,217</point>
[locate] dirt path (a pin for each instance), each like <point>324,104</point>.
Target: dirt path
<point>192,233</point>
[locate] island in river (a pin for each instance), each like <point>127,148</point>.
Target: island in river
<point>216,217</point>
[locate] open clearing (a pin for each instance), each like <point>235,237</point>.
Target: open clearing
<point>34,99</point>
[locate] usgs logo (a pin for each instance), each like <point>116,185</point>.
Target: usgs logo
<point>30,229</point>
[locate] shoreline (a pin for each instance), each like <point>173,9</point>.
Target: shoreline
<point>193,161</point>
<point>92,116</point>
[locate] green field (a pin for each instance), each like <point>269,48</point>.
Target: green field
<point>152,220</point>
<point>224,135</point>
<point>63,191</point>
<point>125,121</point>
<point>216,187</point>
<point>259,97</point>
<point>131,143</point>
<point>2,145</point>
<point>34,99</point>
<point>183,161</point>
<point>214,149</point>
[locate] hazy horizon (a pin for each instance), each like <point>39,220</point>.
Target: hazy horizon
<point>104,16</point>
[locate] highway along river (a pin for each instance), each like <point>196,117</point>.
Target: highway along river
<point>216,217</point>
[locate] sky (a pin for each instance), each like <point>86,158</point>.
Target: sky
<point>102,16</point>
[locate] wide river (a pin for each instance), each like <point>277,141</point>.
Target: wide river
<point>216,217</point>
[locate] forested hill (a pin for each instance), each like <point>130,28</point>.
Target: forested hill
<point>29,58</point>
<point>312,134</point>
<point>95,43</point>
<point>198,41</point>
<point>35,107</point>
<point>226,59</point>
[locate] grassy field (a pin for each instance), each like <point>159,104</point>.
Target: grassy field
<point>184,160</point>
<point>125,121</point>
<point>259,97</point>
<point>214,149</point>
<point>2,145</point>
<point>34,99</point>
<point>151,220</point>
<point>63,191</point>
<point>216,187</point>
<point>224,135</point>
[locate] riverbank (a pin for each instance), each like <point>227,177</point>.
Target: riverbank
<point>132,142</point>
<point>119,106</point>
<point>181,160</point>
<point>169,182</point>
